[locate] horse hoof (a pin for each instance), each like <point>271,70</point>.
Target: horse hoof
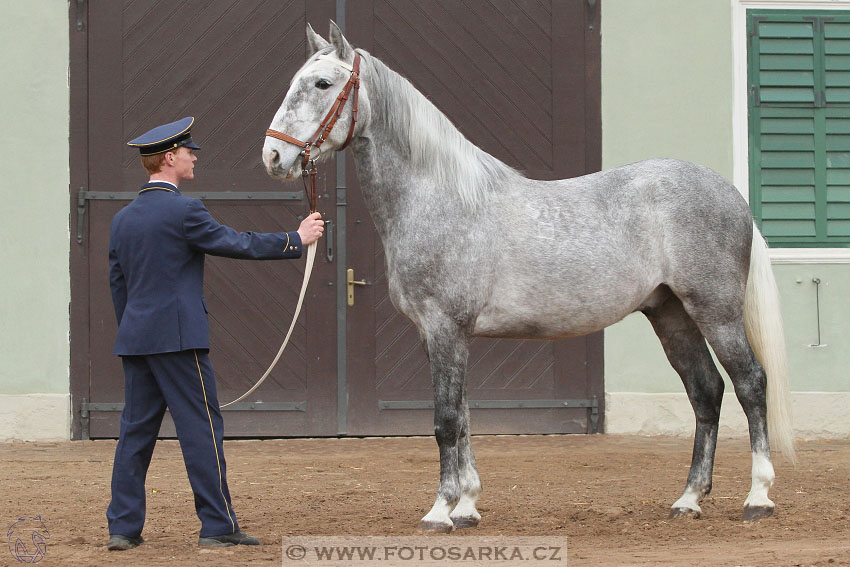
<point>756,513</point>
<point>676,513</point>
<point>435,527</point>
<point>465,522</point>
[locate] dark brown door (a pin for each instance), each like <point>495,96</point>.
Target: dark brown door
<point>520,80</point>
<point>228,63</point>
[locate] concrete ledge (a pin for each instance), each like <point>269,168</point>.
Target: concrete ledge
<point>817,415</point>
<point>35,417</point>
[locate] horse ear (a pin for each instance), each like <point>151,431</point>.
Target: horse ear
<point>315,42</point>
<point>343,49</point>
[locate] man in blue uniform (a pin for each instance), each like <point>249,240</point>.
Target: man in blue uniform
<point>156,257</point>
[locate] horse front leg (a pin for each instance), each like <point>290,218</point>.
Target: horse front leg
<point>465,515</point>
<point>447,351</point>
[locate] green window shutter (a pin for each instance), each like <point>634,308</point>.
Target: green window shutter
<point>799,109</point>
<point>836,34</point>
<point>837,149</point>
<point>787,172</point>
<point>786,61</point>
<point>837,89</point>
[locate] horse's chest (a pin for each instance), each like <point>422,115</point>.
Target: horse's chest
<point>410,278</point>
<point>422,277</point>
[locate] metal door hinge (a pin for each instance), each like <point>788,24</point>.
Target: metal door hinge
<point>81,12</point>
<point>329,240</point>
<point>591,13</point>
<point>591,404</point>
<point>87,407</point>
<point>84,196</point>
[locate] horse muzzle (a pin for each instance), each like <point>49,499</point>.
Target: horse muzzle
<point>281,163</point>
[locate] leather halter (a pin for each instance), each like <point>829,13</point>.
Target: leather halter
<point>308,165</point>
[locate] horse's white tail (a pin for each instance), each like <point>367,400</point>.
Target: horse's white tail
<point>763,321</point>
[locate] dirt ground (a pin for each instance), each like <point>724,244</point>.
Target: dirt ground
<point>609,495</point>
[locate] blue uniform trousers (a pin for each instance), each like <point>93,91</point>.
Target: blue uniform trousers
<point>184,382</point>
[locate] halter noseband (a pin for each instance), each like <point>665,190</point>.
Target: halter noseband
<point>308,165</point>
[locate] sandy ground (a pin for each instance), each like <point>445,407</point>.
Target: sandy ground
<point>608,495</point>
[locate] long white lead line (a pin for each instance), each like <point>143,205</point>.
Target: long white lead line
<point>308,270</point>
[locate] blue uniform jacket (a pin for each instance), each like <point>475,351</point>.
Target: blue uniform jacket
<point>156,268</point>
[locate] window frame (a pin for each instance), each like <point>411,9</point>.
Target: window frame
<point>817,111</point>
<point>784,252</point>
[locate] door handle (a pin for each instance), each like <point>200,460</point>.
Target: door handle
<point>350,283</point>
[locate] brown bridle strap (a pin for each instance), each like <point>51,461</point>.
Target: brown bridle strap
<point>285,138</point>
<point>308,165</point>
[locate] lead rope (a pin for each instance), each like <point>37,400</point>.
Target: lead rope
<point>321,133</point>
<point>308,269</point>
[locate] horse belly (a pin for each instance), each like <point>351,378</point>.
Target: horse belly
<point>555,315</point>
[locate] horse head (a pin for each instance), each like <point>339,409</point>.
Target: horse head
<point>314,91</point>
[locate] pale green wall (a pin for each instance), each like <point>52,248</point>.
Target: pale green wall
<point>667,81</point>
<point>635,362</point>
<point>34,238</point>
<point>667,85</point>
<point>825,368</point>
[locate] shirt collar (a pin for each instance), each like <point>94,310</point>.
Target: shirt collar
<point>160,182</point>
<point>156,184</point>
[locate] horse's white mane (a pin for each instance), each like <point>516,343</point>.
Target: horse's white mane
<point>434,144</point>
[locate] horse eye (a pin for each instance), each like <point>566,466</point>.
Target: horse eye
<point>323,84</point>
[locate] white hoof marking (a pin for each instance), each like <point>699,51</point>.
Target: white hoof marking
<point>763,476</point>
<point>465,509</point>
<point>689,500</point>
<point>439,514</point>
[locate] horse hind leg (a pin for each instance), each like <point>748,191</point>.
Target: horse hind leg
<point>687,352</point>
<point>447,350</point>
<point>730,344</point>
<point>465,514</point>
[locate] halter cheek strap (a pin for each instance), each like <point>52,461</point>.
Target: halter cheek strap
<point>308,165</point>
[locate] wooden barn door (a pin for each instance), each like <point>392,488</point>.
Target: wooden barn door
<point>228,63</point>
<point>519,77</point>
<point>521,80</point>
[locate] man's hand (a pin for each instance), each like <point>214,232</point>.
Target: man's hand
<point>311,229</point>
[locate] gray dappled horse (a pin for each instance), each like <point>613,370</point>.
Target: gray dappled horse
<point>473,248</point>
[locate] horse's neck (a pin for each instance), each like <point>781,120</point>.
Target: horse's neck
<point>387,183</point>
<point>401,186</point>
<point>412,149</point>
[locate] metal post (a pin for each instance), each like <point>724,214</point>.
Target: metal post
<point>341,265</point>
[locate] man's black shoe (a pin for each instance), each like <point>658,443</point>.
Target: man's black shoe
<point>226,540</point>
<point>119,542</point>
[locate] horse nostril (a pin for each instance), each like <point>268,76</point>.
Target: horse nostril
<point>274,159</point>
